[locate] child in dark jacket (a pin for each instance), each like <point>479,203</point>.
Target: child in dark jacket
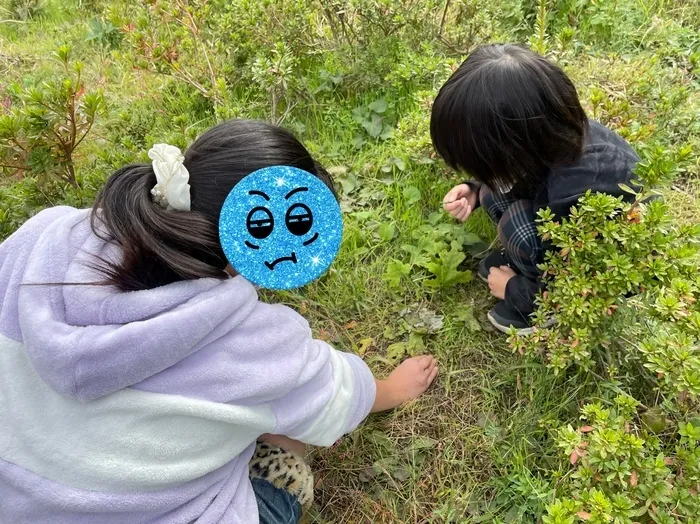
<point>513,120</point>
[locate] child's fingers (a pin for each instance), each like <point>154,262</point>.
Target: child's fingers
<point>453,194</point>
<point>428,362</point>
<point>464,212</point>
<point>424,361</point>
<point>432,375</point>
<point>452,206</point>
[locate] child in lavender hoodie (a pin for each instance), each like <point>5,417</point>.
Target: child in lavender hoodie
<point>137,376</point>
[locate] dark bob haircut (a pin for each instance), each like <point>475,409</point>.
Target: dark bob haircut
<point>507,116</point>
<point>160,246</point>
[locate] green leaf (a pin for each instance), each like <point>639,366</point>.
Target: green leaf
<point>401,474</point>
<point>386,231</point>
<point>628,189</point>
<point>380,440</point>
<point>473,244</point>
<point>396,351</point>
<point>411,194</point>
<point>477,249</point>
<point>63,53</point>
<point>654,420</point>
<point>359,114</point>
<point>470,238</point>
<point>416,344</point>
<point>379,106</point>
<point>466,315</point>
<point>421,443</point>
<point>349,183</point>
<point>387,132</point>
<point>444,268</point>
<point>373,126</point>
<point>390,332</point>
<point>395,270</point>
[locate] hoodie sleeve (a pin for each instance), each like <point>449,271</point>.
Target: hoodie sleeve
<point>335,391</point>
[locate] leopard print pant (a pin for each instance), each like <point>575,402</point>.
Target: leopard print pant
<point>283,470</point>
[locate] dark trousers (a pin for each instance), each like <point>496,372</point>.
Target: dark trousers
<point>517,231</point>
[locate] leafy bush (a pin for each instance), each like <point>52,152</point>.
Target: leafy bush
<point>622,288</point>
<point>46,124</point>
<point>621,284</point>
<point>24,10</point>
<point>174,38</point>
<point>102,32</point>
<point>623,473</point>
<point>276,73</point>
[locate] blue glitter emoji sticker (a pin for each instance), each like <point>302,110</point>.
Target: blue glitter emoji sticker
<point>280,227</point>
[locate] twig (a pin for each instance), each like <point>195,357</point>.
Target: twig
<point>331,22</point>
<point>286,113</point>
<point>195,33</point>
<point>444,16</point>
<point>10,166</point>
<point>84,134</point>
<point>38,186</point>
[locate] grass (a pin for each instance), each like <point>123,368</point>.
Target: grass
<point>476,447</point>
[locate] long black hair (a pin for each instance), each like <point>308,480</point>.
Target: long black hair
<point>507,116</point>
<point>161,246</point>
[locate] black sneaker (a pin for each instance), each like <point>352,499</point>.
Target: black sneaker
<point>504,318</point>
<point>493,259</point>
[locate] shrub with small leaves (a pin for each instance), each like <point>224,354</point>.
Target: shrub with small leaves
<point>41,130</point>
<point>276,72</point>
<point>175,39</point>
<point>622,284</point>
<point>25,9</point>
<point>619,472</point>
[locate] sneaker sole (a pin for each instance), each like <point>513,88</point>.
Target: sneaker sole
<point>506,329</point>
<point>483,278</point>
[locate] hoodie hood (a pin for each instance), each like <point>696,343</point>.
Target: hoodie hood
<point>87,341</point>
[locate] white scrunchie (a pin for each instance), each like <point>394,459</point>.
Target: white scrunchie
<point>172,190</point>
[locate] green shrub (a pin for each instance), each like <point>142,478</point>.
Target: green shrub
<point>101,31</point>
<point>46,124</point>
<point>623,473</point>
<point>24,10</point>
<point>622,285</point>
<point>622,288</point>
<point>175,38</point>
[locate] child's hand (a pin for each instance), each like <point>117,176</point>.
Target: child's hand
<point>412,377</point>
<point>408,381</point>
<point>460,201</point>
<point>498,280</point>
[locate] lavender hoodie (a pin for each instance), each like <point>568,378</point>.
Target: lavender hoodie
<point>145,406</point>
